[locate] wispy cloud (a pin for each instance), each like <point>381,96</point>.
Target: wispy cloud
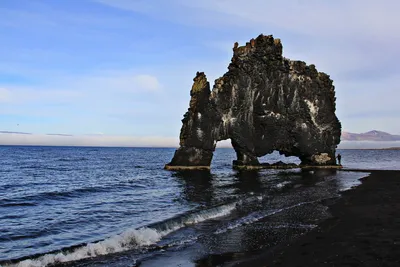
<point>24,95</point>
<point>9,138</point>
<point>97,139</point>
<point>82,100</point>
<point>8,132</point>
<point>124,81</point>
<point>136,6</point>
<point>313,18</point>
<point>58,134</point>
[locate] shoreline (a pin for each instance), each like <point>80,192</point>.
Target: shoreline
<point>364,230</point>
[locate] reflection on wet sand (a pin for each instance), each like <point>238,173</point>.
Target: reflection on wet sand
<point>248,181</point>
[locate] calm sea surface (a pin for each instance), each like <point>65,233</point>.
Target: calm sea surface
<point>118,207</point>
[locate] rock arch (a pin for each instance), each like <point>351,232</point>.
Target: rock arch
<point>264,102</point>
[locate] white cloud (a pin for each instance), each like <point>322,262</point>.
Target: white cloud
<point>111,102</point>
<point>24,94</point>
<point>311,17</point>
<point>69,89</point>
<point>87,140</point>
<point>4,95</point>
<point>340,37</point>
<point>147,82</point>
<point>224,144</point>
<point>137,6</point>
<point>322,18</point>
<point>95,139</point>
<point>114,81</point>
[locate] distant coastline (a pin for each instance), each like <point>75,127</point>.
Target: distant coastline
<point>386,148</point>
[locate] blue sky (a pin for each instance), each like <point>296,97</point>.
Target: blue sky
<point>122,69</point>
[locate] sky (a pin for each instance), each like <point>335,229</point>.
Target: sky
<point>120,71</point>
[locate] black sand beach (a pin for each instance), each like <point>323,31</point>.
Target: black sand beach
<point>364,230</point>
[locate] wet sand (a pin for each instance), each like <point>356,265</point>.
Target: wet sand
<point>364,230</point>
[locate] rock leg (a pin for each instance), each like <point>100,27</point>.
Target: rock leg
<point>244,157</point>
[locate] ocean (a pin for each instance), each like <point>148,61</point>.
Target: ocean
<point>92,206</point>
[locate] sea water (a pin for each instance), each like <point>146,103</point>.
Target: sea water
<point>91,206</point>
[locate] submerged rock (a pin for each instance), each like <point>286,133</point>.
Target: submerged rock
<point>265,102</point>
<point>276,165</point>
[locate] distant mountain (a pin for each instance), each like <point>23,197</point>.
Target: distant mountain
<point>370,136</point>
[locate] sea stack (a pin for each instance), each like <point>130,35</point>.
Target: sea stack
<point>265,102</point>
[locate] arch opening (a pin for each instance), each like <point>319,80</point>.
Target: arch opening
<point>277,159</point>
<point>224,154</point>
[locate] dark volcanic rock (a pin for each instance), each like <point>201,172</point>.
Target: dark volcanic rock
<point>265,102</point>
<point>196,139</point>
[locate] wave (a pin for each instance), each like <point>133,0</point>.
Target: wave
<point>18,204</point>
<point>24,184</point>
<point>30,200</point>
<point>282,184</point>
<point>256,216</point>
<point>72,159</point>
<point>180,221</point>
<point>128,240</point>
<point>54,195</point>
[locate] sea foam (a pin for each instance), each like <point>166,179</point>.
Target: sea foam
<point>129,239</point>
<point>256,216</point>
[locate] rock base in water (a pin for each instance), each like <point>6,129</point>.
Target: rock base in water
<point>185,168</point>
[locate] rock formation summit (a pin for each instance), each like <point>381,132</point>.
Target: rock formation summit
<point>265,102</point>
